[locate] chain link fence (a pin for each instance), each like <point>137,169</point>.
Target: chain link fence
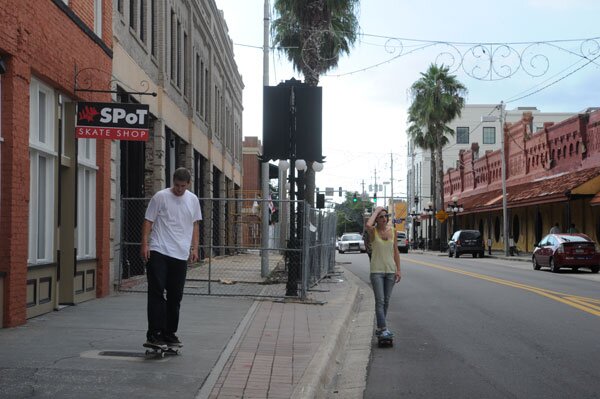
<point>235,258</point>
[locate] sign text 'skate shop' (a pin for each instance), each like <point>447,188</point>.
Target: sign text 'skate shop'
<point>113,121</point>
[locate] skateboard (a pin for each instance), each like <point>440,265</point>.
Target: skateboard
<point>161,350</point>
<point>385,341</point>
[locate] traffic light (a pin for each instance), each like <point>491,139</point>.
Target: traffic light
<point>354,199</point>
<point>375,197</point>
<point>340,192</point>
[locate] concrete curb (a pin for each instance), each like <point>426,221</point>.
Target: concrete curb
<point>323,365</point>
<point>350,381</point>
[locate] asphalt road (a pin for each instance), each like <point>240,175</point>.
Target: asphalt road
<point>486,328</point>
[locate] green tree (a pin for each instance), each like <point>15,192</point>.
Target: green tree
<point>314,34</point>
<point>350,214</point>
<point>437,99</point>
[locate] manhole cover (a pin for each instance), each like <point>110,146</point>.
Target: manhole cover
<point>121,354</point>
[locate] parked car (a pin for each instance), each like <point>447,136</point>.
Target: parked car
<point>351,242</point>
<point>402,241</point>
<point>466,242</point>
<point>573,251</point>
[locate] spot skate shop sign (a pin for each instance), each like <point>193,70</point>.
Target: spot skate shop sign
<point>113,121</point>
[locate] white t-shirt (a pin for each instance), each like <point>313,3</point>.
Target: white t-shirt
<point>173,219</point>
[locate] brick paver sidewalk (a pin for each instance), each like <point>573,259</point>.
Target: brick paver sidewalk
<point>280,342</point>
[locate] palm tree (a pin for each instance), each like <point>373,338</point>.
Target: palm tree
<point>314,34</point>
<point>438,98</point>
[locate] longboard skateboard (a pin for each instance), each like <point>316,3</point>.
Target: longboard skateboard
<point>161,350</point>
<point>385,341</point>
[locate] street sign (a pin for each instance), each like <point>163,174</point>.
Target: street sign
<point>441,215</point>
<point>114,121</point>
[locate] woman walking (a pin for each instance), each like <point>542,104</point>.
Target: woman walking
<point>385,265</point>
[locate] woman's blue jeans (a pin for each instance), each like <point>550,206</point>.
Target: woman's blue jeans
<point>382,283</point>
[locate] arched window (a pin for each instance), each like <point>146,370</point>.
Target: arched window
<point>571,149</point>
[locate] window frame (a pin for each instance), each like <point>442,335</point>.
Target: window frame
<point>42,149</point>
<point>459,135</point>
<point>493,129</point>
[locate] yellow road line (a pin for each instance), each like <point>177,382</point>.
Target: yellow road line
<point>578,302</point>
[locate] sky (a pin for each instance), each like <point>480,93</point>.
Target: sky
<point>539,60</point>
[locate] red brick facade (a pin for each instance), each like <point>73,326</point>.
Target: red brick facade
<point>45,39</point>
<point>552,175</point>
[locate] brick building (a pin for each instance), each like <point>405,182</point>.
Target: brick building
<point>54,190</point>
<point>552,176</point>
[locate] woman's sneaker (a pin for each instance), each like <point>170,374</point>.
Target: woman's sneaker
<point>172,340</point>
<point>386,334</point>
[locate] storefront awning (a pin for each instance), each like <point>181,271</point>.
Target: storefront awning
<point>550,189</point>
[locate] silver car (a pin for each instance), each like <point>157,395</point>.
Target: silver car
<point>351,242</point>
<point>402,242</point>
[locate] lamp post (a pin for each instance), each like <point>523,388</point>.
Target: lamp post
<point>429,212</point>
<point>414,217</point>
<point>454,208</point>
<point>492,118</point>
<point>385,201</point>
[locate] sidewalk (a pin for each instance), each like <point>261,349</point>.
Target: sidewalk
<point>234,348</point>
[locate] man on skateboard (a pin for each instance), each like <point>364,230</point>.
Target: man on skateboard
<point>170,235</point>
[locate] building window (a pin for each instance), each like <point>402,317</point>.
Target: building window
<point>86,198</point>
<point>489,135</point>
<point>173,45</point>
<point>198,87</point>
<point>462,135</point>
<point>186,62</point>
<point>42,163</point>
<point>133,14</point>
<point>120,6</point>
<point>98,18</point>
<point>86,204</point>
<point>153,28</point>
<point>178,55</point>
<point>143,24</point>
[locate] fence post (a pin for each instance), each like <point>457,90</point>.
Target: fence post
<point>305,249</point>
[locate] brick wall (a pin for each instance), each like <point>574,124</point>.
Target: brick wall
<point>38,38</point>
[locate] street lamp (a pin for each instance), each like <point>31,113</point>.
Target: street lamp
<point>454,208</point>
<point>429,212</point>
<point>493,118</point>
<point>414,217</point>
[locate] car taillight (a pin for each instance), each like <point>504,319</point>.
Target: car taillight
<point>560,249</point>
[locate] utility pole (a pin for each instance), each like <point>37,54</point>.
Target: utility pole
<point>264,261</point>
<point>392,187</point>
<point>504,204</point>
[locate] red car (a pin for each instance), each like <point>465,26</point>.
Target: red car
<point>572,251</point>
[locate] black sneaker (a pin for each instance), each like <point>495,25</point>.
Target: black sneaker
<point>155,340</point>
<point>172,340</point>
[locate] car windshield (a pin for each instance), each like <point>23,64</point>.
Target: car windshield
<point>352,237</point>
<point>401,235</point>
<point>568,238</point>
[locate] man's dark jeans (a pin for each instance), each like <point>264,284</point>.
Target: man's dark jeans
<point>164,273</point>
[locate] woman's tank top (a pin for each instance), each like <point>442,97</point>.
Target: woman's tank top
<point>382,257</point>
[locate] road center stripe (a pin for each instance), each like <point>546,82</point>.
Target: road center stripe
<point>588,305</point>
